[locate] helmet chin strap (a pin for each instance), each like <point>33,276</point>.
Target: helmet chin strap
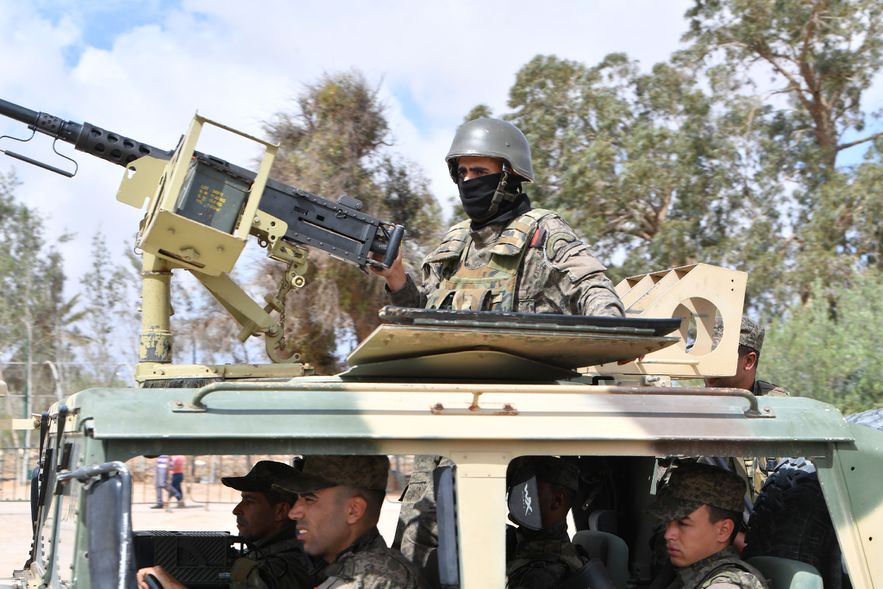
<point>501,194</point>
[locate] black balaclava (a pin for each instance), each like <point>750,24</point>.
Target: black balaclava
<point>495,198</point>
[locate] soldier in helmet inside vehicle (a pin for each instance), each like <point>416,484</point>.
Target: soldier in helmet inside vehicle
<point>507,256</point>
<point>539,553</point>
<point>701,511</point>
<point>750,342</point>
<point>275,557</point>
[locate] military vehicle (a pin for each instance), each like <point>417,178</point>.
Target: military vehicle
<point>478,388</point>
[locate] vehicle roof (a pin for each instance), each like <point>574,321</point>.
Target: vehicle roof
<point>350,416</point>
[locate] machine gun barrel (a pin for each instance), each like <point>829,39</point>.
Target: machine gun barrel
<point>338,228</point>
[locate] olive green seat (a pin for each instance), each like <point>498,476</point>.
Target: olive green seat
<point>785,573</point>
<point>609,549</point>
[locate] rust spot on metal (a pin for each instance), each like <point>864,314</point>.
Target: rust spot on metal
<point>474,406</point>
<point>508,409</point>
<point>437,408</point>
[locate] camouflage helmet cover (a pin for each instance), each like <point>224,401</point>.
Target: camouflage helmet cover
<point>750,333</point>
<point>323,471</point>
<point>693,485</point>
<point>491,138</point>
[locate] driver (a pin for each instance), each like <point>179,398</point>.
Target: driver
<point>275,557</point>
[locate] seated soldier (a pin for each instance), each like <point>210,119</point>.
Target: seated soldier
<point>337,513</point>
<point>701,510</point>
<point>275,558</point>
<point>539,553</point>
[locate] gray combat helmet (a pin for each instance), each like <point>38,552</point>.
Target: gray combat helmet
<point>491,138</point>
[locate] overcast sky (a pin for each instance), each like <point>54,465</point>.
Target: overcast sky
<point>143,68</point>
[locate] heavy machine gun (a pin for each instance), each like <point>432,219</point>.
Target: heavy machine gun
<point>200,211</point>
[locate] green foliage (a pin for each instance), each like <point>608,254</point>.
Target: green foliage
<point>726,152</point>
<point>829,348</point>
<point>335,142</point>
<point>792,75</point>
<point>639,163</point>
<point>109,318</point>
<point>32,310</point>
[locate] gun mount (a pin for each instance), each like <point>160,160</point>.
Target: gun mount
<point>200,212</point>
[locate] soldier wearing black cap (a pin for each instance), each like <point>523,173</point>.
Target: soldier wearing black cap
<point>701,510</point>
<point>275,558</point>
<point>539,553</point>
<point>750,342</point>
<point>337,512</point>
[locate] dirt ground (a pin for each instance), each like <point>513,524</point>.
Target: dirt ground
<point>15,524</point>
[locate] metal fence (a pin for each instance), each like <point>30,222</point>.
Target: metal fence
<point>202,475</point>
<point>16,466</point>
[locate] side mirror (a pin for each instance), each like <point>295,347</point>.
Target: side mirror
<point>108,522</point>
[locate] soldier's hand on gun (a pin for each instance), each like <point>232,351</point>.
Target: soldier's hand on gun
<point>394,275</point>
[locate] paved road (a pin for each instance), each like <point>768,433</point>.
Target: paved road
<point>15,525</point>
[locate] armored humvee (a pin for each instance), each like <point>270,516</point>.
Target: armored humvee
<point>478,391</point>
<point>478,388</point>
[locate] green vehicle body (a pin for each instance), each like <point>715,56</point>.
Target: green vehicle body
<point>481,426</point>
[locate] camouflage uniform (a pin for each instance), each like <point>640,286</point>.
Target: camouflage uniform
<point>369,564</point>
<point>534,264</point>
<point>417,530</point>
<point>541,559</point>
<point>762,387</point>
<point>723,569</point>
<point>690,486</point>
<point>278,562</point>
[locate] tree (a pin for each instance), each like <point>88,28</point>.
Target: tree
<point>819,57</point>
<point>31,303</point>
<point>336,142</point>
<point>203,331</point>
<point>830,352</point>
<point>639,163</point>
<point>108,316</point>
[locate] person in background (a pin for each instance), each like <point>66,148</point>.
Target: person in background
<point>161,481</point>
<point>177,469</point>
<point>750,342</point>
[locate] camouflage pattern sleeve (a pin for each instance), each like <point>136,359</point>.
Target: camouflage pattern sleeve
<point>574,273</point>
<point>372,566</point>
<point>734,579</point>
<point>408,296</point>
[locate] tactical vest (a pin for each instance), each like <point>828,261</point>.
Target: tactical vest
<point>543,555</point>
<point>493,285</point>
<point>240,572</point>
